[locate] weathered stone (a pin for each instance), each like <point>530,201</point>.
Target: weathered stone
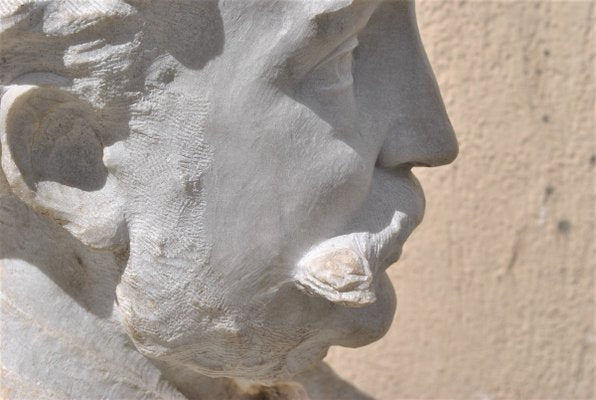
<point>202,197</point>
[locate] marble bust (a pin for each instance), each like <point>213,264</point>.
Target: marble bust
<point>197,192</point>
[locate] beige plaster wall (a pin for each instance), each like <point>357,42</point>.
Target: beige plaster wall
<point>496,288</point>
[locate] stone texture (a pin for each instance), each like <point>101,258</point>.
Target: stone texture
<point>200,197</point>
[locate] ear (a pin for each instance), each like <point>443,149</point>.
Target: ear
<point>52,156</point>
<point>337,272</point>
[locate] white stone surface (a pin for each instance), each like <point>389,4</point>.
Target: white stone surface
<point>203,190</point>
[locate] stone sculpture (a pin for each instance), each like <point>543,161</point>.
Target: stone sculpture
<point>201,197</point>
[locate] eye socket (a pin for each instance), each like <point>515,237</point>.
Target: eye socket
<point>334,72</point>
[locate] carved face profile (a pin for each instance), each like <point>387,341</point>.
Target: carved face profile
<point>252,159</point>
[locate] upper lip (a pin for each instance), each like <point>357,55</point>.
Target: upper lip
<point>400,199</point>
<point>384,248</point>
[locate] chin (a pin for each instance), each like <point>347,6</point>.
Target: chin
<point>371,323</point>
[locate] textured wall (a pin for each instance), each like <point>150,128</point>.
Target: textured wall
<point>496,288</point>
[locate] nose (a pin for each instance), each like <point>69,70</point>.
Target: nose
<point>420,133</point>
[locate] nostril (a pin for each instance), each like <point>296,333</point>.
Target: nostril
<point>417,164</point>
<point>404,165</point>
<point>404,155</point>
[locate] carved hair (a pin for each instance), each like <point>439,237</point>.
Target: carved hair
<point>67,43</point>
<point>98,47</point>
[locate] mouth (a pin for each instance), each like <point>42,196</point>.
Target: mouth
<point>342,269</point>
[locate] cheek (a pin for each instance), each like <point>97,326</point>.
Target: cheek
<point>287,180</point>
<point>328,175</point>
<point>337,175</point>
